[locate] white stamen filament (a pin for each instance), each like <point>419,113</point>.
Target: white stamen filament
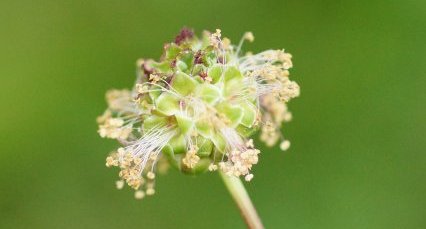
<point>150,144</point>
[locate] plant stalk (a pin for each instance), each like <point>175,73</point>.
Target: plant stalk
<point>242,199</point>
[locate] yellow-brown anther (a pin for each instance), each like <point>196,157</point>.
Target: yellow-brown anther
<point>191,158</point>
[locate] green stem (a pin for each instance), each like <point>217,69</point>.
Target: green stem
<point>242,199</point>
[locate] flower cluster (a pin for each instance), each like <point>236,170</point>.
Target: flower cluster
<point>196,108</point>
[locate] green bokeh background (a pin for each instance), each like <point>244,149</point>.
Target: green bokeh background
<point>358,136</point>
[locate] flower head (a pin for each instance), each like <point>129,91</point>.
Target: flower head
<point>196,108</point>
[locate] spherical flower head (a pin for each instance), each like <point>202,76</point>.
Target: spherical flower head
<point>196,108</point>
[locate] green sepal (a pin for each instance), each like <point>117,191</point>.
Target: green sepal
<point>215,72</point>
<point>167,103</point>
<point>210,58</point>
<point>188,59</point>
<point>172,51</point>
<point>246,131</point>
<point>163,67</point>
<point>197,69</point>
<point>233,113</point>
<point>204,128</point>
<point>155,92</point>
<point>198,79</point>
<point>178,144</point>
<point>232,73</point>
<point>233,81</point>
<point>209,93</point>
<point>184,122</point>
<point>181,66</point>
<point>183,83</point>
<point>219,142</point>
<point>170,155</point>
<point>205,147</point>
<point>153,121</point>
<point>249,114</point>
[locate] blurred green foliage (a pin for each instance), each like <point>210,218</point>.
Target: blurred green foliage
<point>358,148</point>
